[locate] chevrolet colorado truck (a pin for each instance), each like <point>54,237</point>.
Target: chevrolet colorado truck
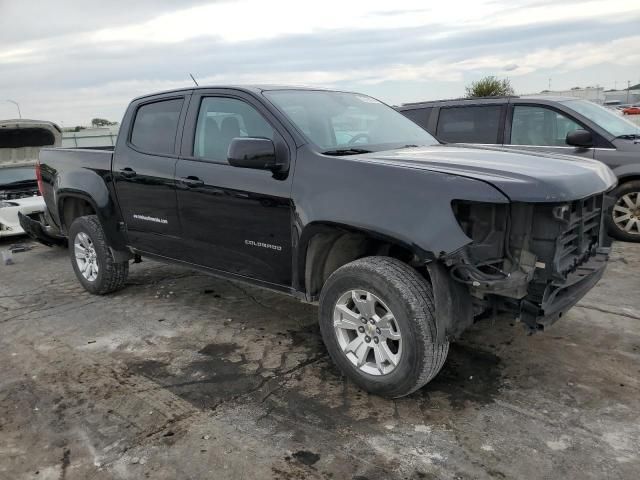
<point>335,198</point>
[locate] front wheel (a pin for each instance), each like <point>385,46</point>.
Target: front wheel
<point>623,220</point>
<point>91,258</point>
<point>377,319</point>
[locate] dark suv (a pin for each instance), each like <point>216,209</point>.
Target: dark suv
<point>551,124</point>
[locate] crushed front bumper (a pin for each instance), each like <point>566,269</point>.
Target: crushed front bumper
<point>40,232</point>
<point>560,297</point>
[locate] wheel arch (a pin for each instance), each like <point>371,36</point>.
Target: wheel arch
<point>74,204</point>
<point>326,246</point>
<point>629,177</point>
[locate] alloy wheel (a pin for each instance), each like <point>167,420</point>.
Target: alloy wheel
<point>626,213</point>
<point>86,257</point>
<point>367,332</point>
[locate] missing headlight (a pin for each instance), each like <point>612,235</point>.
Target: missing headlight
<point>484,223</point>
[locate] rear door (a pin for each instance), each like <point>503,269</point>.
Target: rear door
<point>542,128</point>
<point>235,220</point>
<point>143,170</point>
<point>478,124</point>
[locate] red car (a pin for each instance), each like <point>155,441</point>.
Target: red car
<point>634,110</point>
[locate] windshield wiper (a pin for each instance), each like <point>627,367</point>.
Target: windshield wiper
<point>629,136</point>
<point>346,151</point>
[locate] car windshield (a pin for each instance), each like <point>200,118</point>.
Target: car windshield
<point>14,175</point>
<point>339,122</point>
<point>610,121</point>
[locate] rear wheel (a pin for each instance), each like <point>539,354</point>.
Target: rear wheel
<point>377,321</point>
<point>623,220</point>
<point>91,258</point>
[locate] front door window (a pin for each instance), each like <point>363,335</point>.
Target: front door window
<point>540,126</point>
<point>221,120</point>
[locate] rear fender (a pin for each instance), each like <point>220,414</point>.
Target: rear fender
<point>97,195</point>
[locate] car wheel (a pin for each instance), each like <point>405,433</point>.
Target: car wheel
<point>623,220</point>
<point>92,259</point>
<point>377,320</point>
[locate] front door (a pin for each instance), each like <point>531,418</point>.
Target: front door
<point>542,129</point>
<point>143,171</point>
<point>236,220</point>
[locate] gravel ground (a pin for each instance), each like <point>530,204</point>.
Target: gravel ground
<point>185,376</point>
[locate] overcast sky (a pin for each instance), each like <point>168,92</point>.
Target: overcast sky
<point>69,61</point>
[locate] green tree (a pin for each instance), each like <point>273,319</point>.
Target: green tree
<point>490,87</point>
<point>101,122</point>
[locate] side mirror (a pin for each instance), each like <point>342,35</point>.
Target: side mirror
<point>248,152</point>
<point>580,138</point>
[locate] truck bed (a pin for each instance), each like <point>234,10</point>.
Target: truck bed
<point>64,159</point>
<point>69,167</point>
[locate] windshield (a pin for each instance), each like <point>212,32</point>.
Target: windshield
<point>605,118</point>
<point>13,175</point>
<point>348,121</point>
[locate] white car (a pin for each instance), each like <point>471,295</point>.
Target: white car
<point>28,206</point>
<point>20,143</point>
<point>18,193</point>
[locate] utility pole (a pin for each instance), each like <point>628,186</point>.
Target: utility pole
<point>628,88</point>
<point>18,106</point>
<point>549,84</point>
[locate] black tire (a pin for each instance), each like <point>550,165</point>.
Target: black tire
<point>614,230</point>
<point>410,297</point>
<point>111,274</point>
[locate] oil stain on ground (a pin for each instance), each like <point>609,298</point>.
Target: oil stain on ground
<point>469,375</point>
<point>306,457</point>
<point>204,383</point>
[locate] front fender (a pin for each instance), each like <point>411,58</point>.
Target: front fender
<point>412,206</point>
<point>626,172</point>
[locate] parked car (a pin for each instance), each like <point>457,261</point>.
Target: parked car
<point>550,124</point>
<point>20,142</point>
<point>335,198</point>
<point>633,110</point>
<point>18,193</point>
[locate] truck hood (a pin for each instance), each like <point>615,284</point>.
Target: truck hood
<point>521,176</point>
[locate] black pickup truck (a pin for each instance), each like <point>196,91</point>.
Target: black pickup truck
<point>335,198</point>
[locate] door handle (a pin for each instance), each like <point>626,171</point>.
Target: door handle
<point>128,172</point>
<point>192,181</point>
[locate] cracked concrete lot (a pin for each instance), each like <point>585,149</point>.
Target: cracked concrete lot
<point>185,376</point>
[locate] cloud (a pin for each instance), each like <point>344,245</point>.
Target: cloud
<point>74,73</point>
<point>28,20</point>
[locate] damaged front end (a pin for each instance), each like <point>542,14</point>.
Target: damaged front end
<point>534,260</point>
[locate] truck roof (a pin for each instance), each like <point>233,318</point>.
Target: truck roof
<point>252,88</point>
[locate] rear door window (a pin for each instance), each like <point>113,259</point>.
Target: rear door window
<point>540,126</point>
<point>156,125</point>
<point>472,124</point>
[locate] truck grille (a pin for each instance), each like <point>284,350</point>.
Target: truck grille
<point>580,238</point>
<point>565,236</point>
